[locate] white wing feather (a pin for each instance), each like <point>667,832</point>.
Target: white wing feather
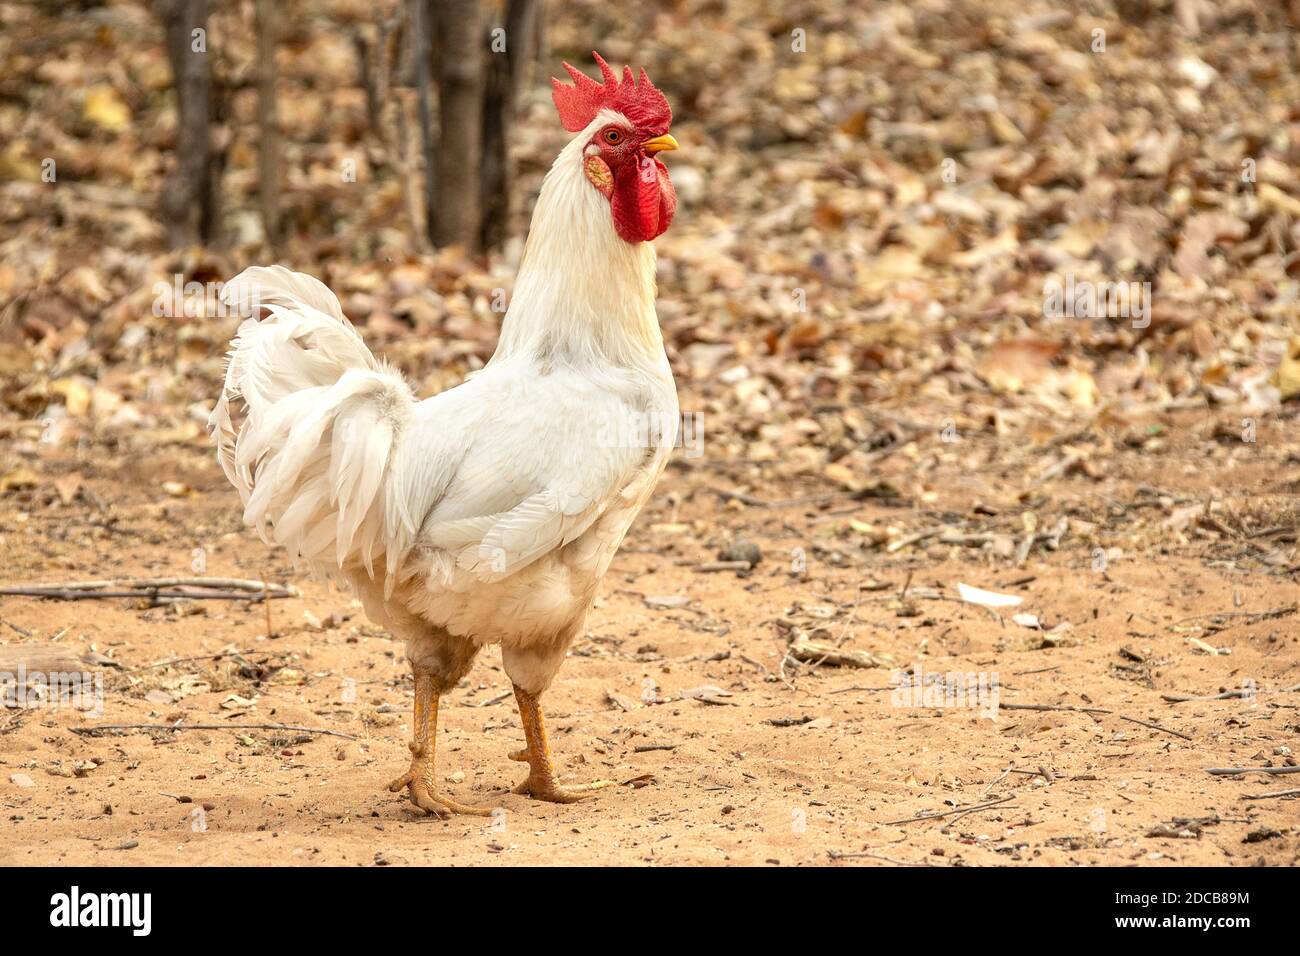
<point>534,470</point>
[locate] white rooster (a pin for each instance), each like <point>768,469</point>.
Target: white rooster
<point>489,513</point>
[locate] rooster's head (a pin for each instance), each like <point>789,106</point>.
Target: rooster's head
<point>626,124</point>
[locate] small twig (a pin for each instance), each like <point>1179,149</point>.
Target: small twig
<point>12,722</point>
<point>1270,796</point>
<point>1183,698</point>
<point>1252,616</point>
<point>1226,695</point>
<point>1023,549</point>
<point>647,748</point>
<point>1002,776</point>
<point>267,606</point>
<point>815,500</point>
<point>911,539</point>
<point>870,690</point>
<point>781,670</point>
<point>185,660</point>
<point>711,567</point>
<point>108,728</point>
<point>1083,710</point>
<point>965,813</point>
<point>837,855</point>
<point>21,630</point>
<point>946,813</point>
<point>1134,720</point>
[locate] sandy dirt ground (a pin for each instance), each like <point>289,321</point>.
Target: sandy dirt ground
<point>725,748</point>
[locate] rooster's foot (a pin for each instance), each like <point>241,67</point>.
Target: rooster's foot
<point>425,795</point>
<point>540,783</point>
<point>544,788</point>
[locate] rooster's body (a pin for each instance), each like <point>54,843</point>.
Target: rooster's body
<point>486,514</point>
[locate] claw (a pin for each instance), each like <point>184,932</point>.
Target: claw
<point>541,789</point>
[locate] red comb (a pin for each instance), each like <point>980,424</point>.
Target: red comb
<point>638,100</point>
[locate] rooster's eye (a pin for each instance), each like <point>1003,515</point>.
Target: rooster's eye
<point>613,137</point>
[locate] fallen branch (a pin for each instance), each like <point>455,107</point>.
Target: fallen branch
<point>1271,796</point>
<point>109,728</point>
<point>153,594</point>
<point>156,590</point>
<point>231,584</point>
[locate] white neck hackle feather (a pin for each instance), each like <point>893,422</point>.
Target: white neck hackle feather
<point>583,295</point>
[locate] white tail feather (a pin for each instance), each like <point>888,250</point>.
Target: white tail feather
<point>307,424</point>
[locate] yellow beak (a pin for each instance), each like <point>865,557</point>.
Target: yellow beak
<point>659,144</point>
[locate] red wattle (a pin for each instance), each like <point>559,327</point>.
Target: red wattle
<point>643,201</point>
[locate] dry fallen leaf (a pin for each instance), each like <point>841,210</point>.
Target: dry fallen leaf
<point>1287,376</point>
<point>19,479</point>
<point>105,108</point>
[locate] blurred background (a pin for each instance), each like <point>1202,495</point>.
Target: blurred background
<point>875,199</point>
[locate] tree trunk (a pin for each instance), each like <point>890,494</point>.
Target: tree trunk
<point>454,213</point>
<point>422,50</point>
<point>189,202</point>
<point>504,76</point>
<point>269,160</point>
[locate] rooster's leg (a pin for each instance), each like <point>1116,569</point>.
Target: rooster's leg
<point>540,784</point>
<point>419,780</point>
